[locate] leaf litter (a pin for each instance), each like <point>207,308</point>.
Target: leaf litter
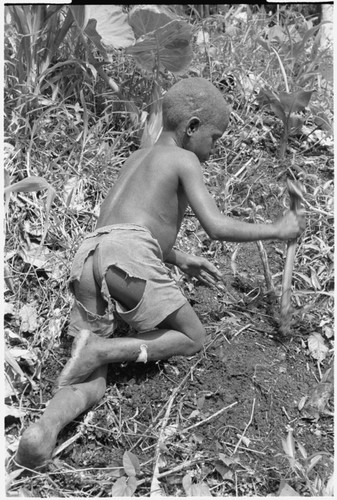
<point>215,423</point>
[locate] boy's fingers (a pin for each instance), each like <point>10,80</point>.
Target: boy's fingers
<point>212,269</point>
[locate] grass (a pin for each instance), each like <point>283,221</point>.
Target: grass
<point>78,139</point>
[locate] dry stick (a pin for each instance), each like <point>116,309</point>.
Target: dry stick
<point>208,418</point>
<point>155,487</point>
<point>244,432</point>
<point>162,409</point>
<point>295,192</point>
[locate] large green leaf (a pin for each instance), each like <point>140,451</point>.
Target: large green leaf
<point>168,47</point>
<point>105,25</point>
<point>146,18</point>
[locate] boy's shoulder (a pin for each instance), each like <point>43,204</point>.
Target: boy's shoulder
<point>174,154</point>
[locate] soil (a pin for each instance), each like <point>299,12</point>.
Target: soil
<point>256,377</point>
<point>247,386</point>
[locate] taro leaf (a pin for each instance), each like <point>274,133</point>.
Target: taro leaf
<point>130,464</point>
<point>294,102</point>
<point>169,46</point>
<point>108,28</point>
<point>146,18</point>
<point>124,487</point>
<point>317,347</point>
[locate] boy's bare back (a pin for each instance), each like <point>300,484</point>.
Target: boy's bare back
<point>148,192</point>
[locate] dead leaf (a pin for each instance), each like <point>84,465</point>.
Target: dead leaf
<point>8,308</point>
<point>286,491</point>
<point>28,316</point>
<point>11,411</point>
<point>317,402</point>
<point>317,347</point>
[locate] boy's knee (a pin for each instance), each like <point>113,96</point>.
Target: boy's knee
<point>199,338</point>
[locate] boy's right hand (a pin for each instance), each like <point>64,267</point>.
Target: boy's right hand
<point>291,225</point>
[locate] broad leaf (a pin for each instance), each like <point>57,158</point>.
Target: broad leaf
<point>294,102</point>
<point>168,47</point>
<point>130,464</point>
<point>124,487</point>
<point>108,28</point>
<point>146,18</point>
<point>195,490</point>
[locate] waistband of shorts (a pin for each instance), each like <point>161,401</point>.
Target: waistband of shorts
<point>122,226</point>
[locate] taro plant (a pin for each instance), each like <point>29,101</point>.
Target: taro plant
<point>297,63</point>
<point>52,39</point>
<point>287,106</point>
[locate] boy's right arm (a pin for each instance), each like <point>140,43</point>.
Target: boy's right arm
<point>221,227</point>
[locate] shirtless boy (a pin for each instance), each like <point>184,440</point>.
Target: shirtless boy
<point>120,267</point>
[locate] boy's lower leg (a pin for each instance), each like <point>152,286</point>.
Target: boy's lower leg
<point>90,350</point>
<point>38,441</point>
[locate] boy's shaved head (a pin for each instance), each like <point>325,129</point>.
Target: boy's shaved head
<point>194,97</point>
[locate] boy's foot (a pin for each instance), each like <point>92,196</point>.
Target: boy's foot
<point>36,446</point>
<point>84,360</point>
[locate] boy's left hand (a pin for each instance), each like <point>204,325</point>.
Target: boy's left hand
<point>200,268</point>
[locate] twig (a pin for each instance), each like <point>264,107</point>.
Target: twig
<point>266,269</point>
<point>245,448</point>
<point>241,330</point>
<point>155,489</point>
<point>208,418</point>
<point>244,432</point>
<point>74,438</point>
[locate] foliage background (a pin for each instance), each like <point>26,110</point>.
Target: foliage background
<point>72,117</point>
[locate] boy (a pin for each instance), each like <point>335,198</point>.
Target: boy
<point>120,267</point>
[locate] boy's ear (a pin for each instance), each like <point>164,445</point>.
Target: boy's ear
<point>192,125</point>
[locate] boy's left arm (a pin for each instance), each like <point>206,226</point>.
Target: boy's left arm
<point>195,267</point>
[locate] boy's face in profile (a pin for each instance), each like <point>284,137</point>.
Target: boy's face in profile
<point>201,139</point>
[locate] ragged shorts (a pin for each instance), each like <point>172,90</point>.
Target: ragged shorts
<point>132,249</point>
